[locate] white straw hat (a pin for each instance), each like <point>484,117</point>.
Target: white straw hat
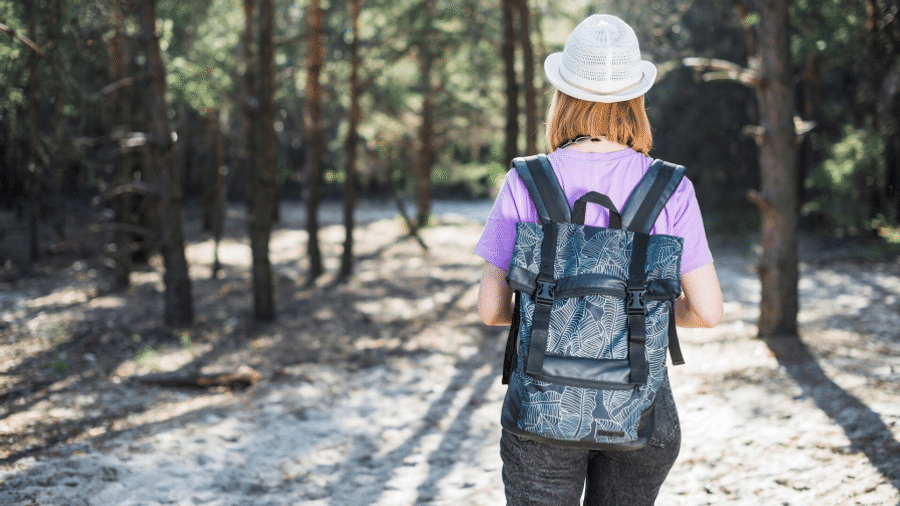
<point>601,62</point>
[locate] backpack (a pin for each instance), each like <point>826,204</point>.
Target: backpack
<point>593,315</point>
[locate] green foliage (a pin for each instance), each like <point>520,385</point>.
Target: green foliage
<point>827,29</point>
<point>148,358</point>
<point>472,180</point>
<point>12,57</point>
<point>854,171</point>
<point>186,341</point>
<point>200,41</point>
<point>60,364</point>
<point>695,123</point>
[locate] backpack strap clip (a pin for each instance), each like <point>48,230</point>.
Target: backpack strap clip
<point>545,293</point>
<point>635,305</point>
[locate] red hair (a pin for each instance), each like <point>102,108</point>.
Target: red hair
<point>621,122</point>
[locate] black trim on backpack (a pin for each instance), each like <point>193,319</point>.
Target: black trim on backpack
<point>636,309</point>
<point>510,356</point>
<point>543,187</point>
<point>580,209</point>
<point>674,345</point>
<point>641,209</point>
<point>543,302</point>
<point>639,215</point>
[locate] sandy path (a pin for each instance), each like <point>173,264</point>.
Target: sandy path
<point>413,417</point>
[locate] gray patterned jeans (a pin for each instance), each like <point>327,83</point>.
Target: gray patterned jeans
<point>539,474</point>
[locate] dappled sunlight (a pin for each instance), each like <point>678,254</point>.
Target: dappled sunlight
<point>384,389</point>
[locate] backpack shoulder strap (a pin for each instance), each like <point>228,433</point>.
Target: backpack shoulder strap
<point>650,196</point>
<point>543,188</point>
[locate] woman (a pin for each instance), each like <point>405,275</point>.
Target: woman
<point>599,136</point>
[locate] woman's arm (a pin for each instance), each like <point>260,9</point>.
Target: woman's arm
<point>701,302</point>
<point>494,297</point>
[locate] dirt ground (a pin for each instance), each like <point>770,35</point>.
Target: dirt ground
<point>385,390</point>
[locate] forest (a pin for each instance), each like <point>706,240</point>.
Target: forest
<point>207,196</point>
<point>135,109</point>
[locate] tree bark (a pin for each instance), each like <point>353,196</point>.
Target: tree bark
<point>250,99</point>
<point>262,177</point>
<point>313,120</point>
<point>217,162</point>
<point>778,201</point>
<point>511,132</point>
<point>531,122</point>
<point>425,157</point>
<point>178,303</point>
<point>352,141</point>
<point>883,80</point>
<point>53,40</point>
<point>33,174</point>
<point>119,108</point>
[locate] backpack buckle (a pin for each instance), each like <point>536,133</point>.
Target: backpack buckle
<point>634,302</point>
<point>545,293</point>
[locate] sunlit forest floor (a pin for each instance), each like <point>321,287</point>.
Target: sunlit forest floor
<point>385,389</point>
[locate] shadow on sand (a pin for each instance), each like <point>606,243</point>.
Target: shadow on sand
<point>865,428</point>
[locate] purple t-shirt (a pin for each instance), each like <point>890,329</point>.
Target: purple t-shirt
<point>613,174</point>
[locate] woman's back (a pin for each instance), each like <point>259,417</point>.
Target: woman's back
<point>614,174</point>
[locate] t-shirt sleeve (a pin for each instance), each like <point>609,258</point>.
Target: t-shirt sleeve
<point>499,236</point>
<point>688,224</point>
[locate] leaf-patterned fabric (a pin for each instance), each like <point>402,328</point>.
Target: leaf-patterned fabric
<point>589,327</point>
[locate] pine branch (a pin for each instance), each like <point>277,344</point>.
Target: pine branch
<point>25,40</point>
<point>713,69</point>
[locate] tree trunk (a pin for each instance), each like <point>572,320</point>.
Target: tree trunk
<point>32,177</point>
<point>313,120</point>
<point>425,156</point>
<point>217,162</point>
<point>178,304</point>
<point>119,108</point>
<point>531,123</point>
<point>53,41</point>
<point>883,79</point>
<point>352,141</point>
<point>209,169</point>
<point>512,86</point>
<point>778,201</point>
<point>250,103</point>
<point>262,177</point>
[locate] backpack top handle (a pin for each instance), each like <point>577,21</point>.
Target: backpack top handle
<point>615,219</point>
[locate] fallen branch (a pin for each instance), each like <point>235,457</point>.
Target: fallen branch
<point>401,208</point>
<point>410,224</point>
<point>242,378</point>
